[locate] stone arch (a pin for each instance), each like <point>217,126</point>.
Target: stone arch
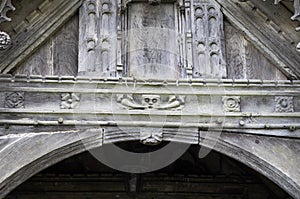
<point>26,155</point>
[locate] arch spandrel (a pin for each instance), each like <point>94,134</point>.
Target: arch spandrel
<point>244,148</point>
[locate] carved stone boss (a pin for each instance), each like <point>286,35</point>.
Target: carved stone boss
<point>5,6</point>
<point>14,100</point>
<point>284,104</point>
<point>69,100</point>
<point>106,47</point>
<point>231,103</point>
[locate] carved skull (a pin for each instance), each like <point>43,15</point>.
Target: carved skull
<point>151,101</point>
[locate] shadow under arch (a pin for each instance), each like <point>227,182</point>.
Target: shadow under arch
<point>24,156</point>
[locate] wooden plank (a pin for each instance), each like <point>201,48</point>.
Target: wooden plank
<point>65,49</point>
<point>33,31</point>
<point>58,56</point>
<point>236,54</point>
<point>263,34</point>
<point>40,63</point>
<point>245,61</point>
<point>152,41</point>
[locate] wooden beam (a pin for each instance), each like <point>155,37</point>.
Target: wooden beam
<point>264,33</point>
<point>35,30</point>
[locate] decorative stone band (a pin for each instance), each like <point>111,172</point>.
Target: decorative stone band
<point>243,106</point>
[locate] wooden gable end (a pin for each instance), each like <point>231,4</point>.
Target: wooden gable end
<point>260,41</point>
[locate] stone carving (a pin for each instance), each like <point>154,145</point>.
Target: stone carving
<point>208,41</point>
<point>284,104</point>
<point>151,102</point>
<point>97,41</point>
<point>5,6</point>
<point>88,36</point>
<point>4,40</point>
<point>151,136</point>
<point>14,100</point>
<point>69,101</point>
<point>231,103</point>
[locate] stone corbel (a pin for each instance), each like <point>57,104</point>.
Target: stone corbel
<point>5,6</point>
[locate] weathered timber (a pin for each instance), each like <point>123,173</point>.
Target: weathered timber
<point>58,56</point>
<point>244,61</point>
<point>268,40</point>
<point>31,33</point>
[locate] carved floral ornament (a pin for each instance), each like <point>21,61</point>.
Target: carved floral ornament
<point>231,103</point>
<point>69,100</point>
<point>284,104</point>
<point>14,100</point>
<point>5,6</point>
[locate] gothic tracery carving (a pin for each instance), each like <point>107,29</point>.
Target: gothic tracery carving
<point>208,37</point>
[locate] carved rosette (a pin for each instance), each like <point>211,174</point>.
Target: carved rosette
<point>14,100</point>
<point>69,101</point>
<point>4,40</point>
<point>151,102</point>
<point>284,104</point>
<point>232,103</point>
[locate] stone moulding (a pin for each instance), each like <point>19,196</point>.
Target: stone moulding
<point>112,102</point>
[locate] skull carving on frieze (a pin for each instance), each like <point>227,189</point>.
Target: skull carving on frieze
<point>151,101</point>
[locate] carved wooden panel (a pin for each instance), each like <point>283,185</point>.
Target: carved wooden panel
<point>65,49</point>
<point>209,59</point>
<point>152,41</point>
<point>97,37</point>
<point>245,61</point>
<point>58,56</point>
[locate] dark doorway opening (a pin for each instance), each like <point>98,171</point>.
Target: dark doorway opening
<point>215,176</point>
